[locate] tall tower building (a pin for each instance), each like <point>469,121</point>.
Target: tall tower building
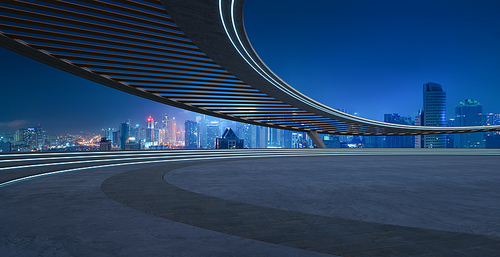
<point>261,137</point>
<point>115,135</point>
<point>213,133</point>
<point>434,113</point>
<point>287,139</point>
<point>191,134</point>
<point>240,130</point>
<point>246,132</point>
<point>156,133</point>
<point>30,138</point>
<point>150,129</point>
<point>40,137</point>
<point>135,132</point>
<point>469,113</point>
<point>124,134</point>
<point>273,137</point>
<point>203,132</point>
<point>172,133</point>
<point>164,126</point>
<point>180,136</point>
<point>161,136</point>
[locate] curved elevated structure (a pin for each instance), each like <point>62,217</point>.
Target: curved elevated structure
<point>203,62</point>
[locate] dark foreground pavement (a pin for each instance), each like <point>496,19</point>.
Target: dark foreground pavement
<point>349,205</point>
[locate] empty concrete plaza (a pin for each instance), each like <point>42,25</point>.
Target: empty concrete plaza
<point>256,203</point>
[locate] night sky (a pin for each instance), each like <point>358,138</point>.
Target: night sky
<point>372,57</point>
<point>369,57</point>
<point>34,93</point>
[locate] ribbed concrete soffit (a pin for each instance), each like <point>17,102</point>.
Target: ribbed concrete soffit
<point>202,62</point>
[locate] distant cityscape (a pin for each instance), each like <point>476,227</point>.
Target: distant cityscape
<point>205,132</point>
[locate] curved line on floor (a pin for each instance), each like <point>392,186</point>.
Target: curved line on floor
<point>146,190</point>
<point>203,157</point>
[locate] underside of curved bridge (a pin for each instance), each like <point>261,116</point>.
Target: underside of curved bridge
<point>203,62</point>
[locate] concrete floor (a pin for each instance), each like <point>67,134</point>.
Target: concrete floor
<point>69,214</point>
<point>450,193</point>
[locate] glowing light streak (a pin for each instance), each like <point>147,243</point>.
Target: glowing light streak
<point>199,157</point>
<point>306,100</point>
<point>267,153</point>
<point>116,159</point>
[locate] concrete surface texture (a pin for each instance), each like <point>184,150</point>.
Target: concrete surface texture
<point>450,193</point>
<point>144,190</point>
<point>438,205</point>
<point>69,215</point>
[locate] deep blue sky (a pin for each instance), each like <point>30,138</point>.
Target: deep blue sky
<point>370,57</point>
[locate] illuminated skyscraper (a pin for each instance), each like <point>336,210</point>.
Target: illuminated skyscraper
<point>162,137</point>
<point>142,134</point>
<point>248,133</point>
<point>492,139</point>
<point>135,132</point>
<point>30,138</point>
<point>213,133</point>
<point>191,134</point>
<point>434,113</point>
<point>164,126</point>
<point>124,134</point>
<point>469,113</point>
<point>172,127</point>
<point>150,129</point>
<point>156,133</point>
<point>490,119</point>
<point>261,137</point>
<point>202,133</point>
<point>19,136</point>
<point>115,135</point>
<point>272,137</point>
<point>287,139</point>
<point>40,137</point>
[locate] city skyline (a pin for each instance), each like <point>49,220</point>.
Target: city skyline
<point>49,96</point>
<point>204,132</point>
<point>239,128</point>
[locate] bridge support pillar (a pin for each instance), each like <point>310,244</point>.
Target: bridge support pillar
<point>316,139</point>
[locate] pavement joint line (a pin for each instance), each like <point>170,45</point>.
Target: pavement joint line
<point>97,156</point>
<point>147,153</point>
<point>121,152</point>
<point>213,229</point>
<point>242,152</point>
<point>260,153</point>
<point>162,207</point>
<point>432,241</point>
<point>154,157</point>
<point>133,163</point>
